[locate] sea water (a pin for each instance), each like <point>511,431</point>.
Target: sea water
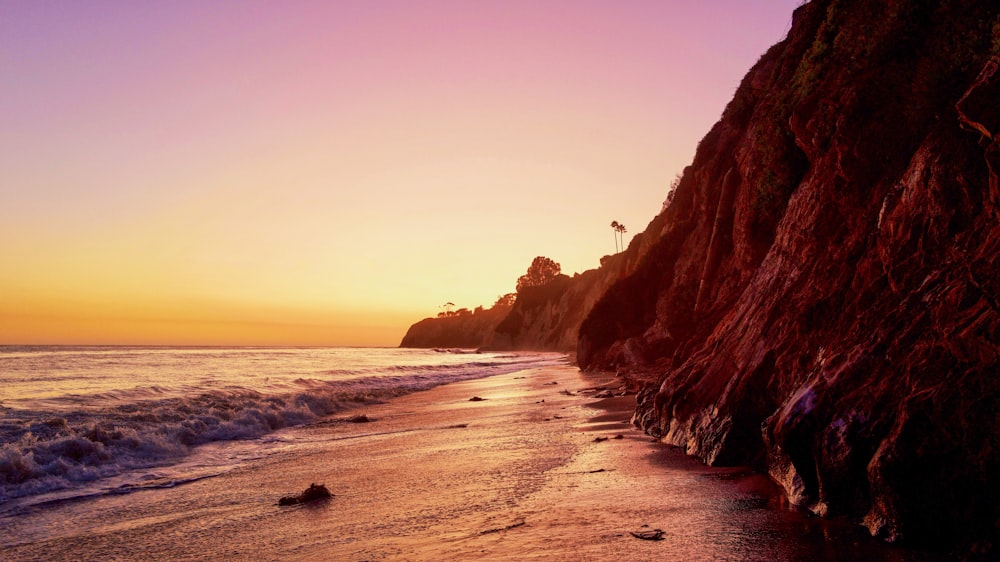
<point>85,421</point>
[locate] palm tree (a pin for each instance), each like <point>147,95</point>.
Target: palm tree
<point>621,232</point>
<point>614,229</point>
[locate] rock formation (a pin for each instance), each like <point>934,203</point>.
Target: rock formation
<point>821,296</point>
<point>314,492</point>
<point>469,330</point>
<point>543,318</point>
<point>548,317</point>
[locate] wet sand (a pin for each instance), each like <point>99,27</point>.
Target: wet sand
<point>537,469</point>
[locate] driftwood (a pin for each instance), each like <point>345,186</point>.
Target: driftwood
<point>514,525</point>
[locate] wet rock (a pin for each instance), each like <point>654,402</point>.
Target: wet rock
<point>314,492</point>
<point>650,535</point>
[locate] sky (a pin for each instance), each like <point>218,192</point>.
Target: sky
<point>328,172</point>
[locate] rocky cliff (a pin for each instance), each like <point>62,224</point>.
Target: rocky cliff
<point>548,317</point>
<point>465,329</point>
<point>821,296</point>
<point>543,318</point>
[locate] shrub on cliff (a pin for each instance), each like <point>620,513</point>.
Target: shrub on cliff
<point>541,271</point>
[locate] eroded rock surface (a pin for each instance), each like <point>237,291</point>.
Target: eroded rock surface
<point>821,296</point>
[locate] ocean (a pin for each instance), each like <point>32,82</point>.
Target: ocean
<point>79,422</point>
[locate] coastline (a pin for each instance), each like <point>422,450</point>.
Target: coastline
<point>533,470</point>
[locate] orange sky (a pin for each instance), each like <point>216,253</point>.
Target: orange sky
<point>326,173</point>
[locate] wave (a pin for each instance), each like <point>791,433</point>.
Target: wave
<point>44,450</point>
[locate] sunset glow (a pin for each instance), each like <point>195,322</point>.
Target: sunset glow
<point>326,173</point>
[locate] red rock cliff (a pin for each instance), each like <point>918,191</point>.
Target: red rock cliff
<point>821,297</point>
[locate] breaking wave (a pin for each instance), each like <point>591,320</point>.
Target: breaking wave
<point>71,442</point>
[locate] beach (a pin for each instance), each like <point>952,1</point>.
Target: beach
<point>525,465</point>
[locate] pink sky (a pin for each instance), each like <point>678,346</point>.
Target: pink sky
<point>329,172</point>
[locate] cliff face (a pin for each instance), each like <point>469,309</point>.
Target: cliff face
<point>548,317</point>
<point>821,297</point>
<point>544,318</point>
<point>468,330</point>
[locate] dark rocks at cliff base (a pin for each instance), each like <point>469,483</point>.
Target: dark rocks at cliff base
<point>820,297</point>
<point>314,492</point>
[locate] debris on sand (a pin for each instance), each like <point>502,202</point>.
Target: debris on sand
<point>651,535</point>
<point>313,493</point>
<point>566,392</point>
<point>476,399</point>
<point>360,418</point>
<point>600,439</point>
<point>619,436</point>
<point>513,525</point>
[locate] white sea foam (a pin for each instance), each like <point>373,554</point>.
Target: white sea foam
<point>52,441</point>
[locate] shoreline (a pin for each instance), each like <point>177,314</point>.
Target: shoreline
<point>538,468</point>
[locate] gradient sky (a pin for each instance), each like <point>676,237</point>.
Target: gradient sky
<point>327,173</point>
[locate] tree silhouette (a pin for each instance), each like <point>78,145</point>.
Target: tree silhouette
<point>619,230</point>
<point>541,271</point>
<point>505,301</point>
